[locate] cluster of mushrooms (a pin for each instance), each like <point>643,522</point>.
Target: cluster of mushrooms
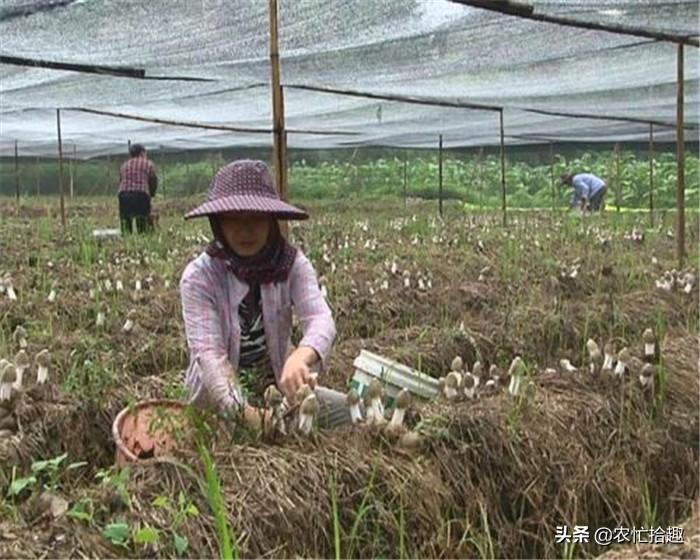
<point>367,413</point>
<point>673,280</point>
<point>462,384</point>
<point>12,380</point>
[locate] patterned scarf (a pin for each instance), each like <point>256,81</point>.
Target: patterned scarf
<point>271,264</point>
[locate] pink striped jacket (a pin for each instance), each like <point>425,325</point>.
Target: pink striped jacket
<point>211,295</point>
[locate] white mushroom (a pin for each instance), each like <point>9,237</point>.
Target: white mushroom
<point>100,320</point>
<point>307,413</point>
<point>452,382</point>
<point>688,282</point>
<point>649,345</point>
<point>52,296</point>
<point>469,385</point>
<point>457,364</point>
<point>646,376</point>
<point>130,321</point>
<point>20,336</point>
<point>595,356</point>
<point>273,403</point>
<point>8,376</point>
<point>21,364</point>
<point>42,361</point>
<point>495,373</point>
<point>623,360</point>
<point>137,285</point>
<point>609,357</point>
<point>373,403</point>
<point>516,372</point>
<point>9,288</point>
<point>353,401</point>
<point>403,401</point>
<point>478,372</point>
<point>567,366</point>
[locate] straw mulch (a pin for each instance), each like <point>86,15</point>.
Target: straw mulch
<point>570,452</point>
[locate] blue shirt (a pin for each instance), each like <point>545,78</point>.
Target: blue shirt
<point>586,185</point>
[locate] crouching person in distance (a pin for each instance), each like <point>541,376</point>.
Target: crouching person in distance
<point>589,191</point>
<point>238,297</point>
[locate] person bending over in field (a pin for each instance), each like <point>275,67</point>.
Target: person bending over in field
<point>238,298</point>
<point>589,190</point>
<point>137,185</point>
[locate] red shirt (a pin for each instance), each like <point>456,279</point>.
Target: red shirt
<point>138,174</point>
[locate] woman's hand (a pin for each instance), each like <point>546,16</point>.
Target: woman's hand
<point>297,371</point>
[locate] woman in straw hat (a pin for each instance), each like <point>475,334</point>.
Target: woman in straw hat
<point>238,297</point>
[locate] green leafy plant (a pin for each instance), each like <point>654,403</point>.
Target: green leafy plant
<point>117,533</point>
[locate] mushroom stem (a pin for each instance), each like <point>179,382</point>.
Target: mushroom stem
<point>396,421</point>
<point>375,411</point>
<point>11,293</point>
<point>42,374</point>
<point>19,370</point>
<point>306,422</point>
<point>355,413</point>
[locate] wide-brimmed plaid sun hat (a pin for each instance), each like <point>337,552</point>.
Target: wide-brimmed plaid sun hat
<point>245,186</point>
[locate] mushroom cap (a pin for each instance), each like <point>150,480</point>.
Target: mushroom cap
<point>517,367</point>
<point>375,390</point>
<point>469,381</point>
<point>303,392</point>
<point>272,395</point>
<point>624,356</point>
<point>20,332</point>
<point>21,359</point>
<point>457,364</point>
<point>309,405</point>
<point>352,398</point>
<point>43,358</point>
<point>648,336</point>
<point>8,373</point>
<point>647,370</point>
<point>609,348</point>
<point>452,380</point>
<point>494,371</point>
<point>478,369</point>
<point>131,314</point>
<point>593,348</point>
<point>403,399</point>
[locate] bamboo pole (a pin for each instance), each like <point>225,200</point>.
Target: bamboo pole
<point>71,165</point>
<point>618,182</point>
<point>279,150</point>
<point>481,178</point>
<point>552,178</point>
<point>526,11</point>
<point>162,172</point>
<point>405,178</point>
<point>36,174</point>
<point>17,173</point>
<point>60,168</point>
<point>503,169</point>
<point>204,126</point>
<point>651,175</point>
<point>680,157</point>
<point>440,175</point>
